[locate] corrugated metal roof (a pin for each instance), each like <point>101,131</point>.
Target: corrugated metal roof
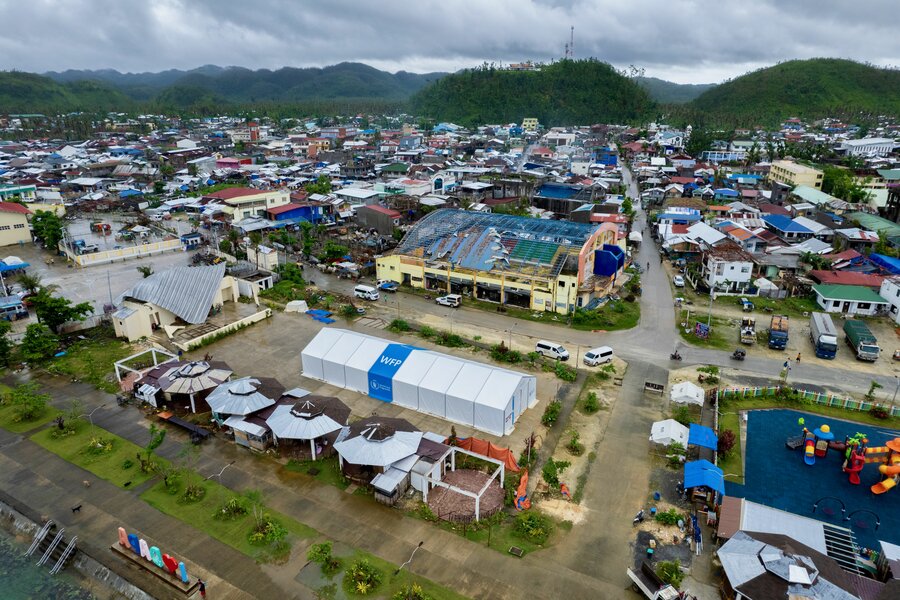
<point>187,292</point>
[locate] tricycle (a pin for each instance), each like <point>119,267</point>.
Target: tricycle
<point>739,354</point>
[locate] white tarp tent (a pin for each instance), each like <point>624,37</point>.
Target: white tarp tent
<point>357,367</point>
<point>687,393</point>
<point>479,395</point>
<point>315,351</point>
<point>299,306</point>
<point>408,378</point>
<point>669,431</point>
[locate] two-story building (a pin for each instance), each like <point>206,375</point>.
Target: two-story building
<point>727,268</point>
<point>243,202</point>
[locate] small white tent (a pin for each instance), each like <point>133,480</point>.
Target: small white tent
<point>669,431</point>
<point>687,393</point>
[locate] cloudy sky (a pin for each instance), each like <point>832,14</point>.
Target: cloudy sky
<point>689,41</point>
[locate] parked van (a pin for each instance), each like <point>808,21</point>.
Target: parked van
<point>12,309</point>
<point>551,350</point>
<point>366,292</point>
<point>598,356</point>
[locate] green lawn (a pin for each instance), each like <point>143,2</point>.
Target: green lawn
<point>92,359</point>
<point>733,465</point>
<point>8,415</point>
<point>200,515</point>
<point>612,316</point>
<point>328,471</point>
<point>502,536</point>
<point>722,335</point>
<point>106,465</point>
<point>392,584</point>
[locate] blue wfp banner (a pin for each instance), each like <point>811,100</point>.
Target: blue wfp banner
<point>381,375</point>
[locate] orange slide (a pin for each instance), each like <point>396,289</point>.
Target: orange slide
<point>890,471</point>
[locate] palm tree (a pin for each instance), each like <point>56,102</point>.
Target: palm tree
<point>33,284</point>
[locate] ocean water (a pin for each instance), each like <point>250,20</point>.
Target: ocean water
<point>20,579</point>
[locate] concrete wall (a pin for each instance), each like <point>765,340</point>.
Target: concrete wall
<point>14,229</point>
<point>108,256</point>
<point>245,322</point>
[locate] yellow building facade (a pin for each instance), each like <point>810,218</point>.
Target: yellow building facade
<point>793,174</point>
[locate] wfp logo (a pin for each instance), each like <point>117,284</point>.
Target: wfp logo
<point>391,362</point>
<point>377,386</point>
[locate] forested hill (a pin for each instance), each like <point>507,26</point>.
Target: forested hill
<point>240,85</point>
<point>666,91</point>
<point>563,93</point>
<point>28,93</point>
<point>802,88</point>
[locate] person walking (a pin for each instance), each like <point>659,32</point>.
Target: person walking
<point>202,588</point>
<point>798,357</point>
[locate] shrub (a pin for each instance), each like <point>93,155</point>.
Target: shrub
<point>551,413</point>
<point>533,357</point>
<point>670,572</point>
<point>669,517</point>
<point>629,298</point>
<point>878,412</point>
<point>98,446</point>
<point>398,326</point>
<point>267,530</point>
<point>348,310</point>
<point>591,403</point>
<point>127,464</point>
<point>533,527</point>
<point>682,414</point>
<point>451,340</point>
<point>575,446</point>
<point>675,455</point>
<point>565,372</point>
<point>727,441</point>
<point>27,402</point>
<point>426,331</point>
<point>605,372</point>
<point>234,508</point>
<point>426,513</point>
<point>712,373</point>
<point>362,578</point>
<point>552,470</point>
<point>193,492</point>
<point>501,353</point>
<point>412,591</point>
<point>321,554</point>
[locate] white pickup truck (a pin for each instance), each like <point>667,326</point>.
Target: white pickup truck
<point>648,583</point>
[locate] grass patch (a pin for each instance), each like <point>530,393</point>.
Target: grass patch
<point>856,416</point>
<point>327,471</point>
<point>502,532</point>
<point>392,584</point>
<point>732,465</point>
<point>234,532</point>
<point>106,463</point>
<point>92,359</point>
<point>612,316</point>
<point>285,291</point>
<point>722,335</point>
<point>8,415</point>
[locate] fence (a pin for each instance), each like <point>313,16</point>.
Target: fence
<point>197,342</point>
<point>88,323</point>
<point>774,294</point>
<point>819,398</point>
<point>109,256</point>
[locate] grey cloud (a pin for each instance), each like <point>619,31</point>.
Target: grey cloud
<point>681,40</point>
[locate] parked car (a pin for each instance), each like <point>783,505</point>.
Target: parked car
<point>551,350</point>
<point>451,300</point>
<point>678,280</point>
<point>386,285</point>
<point>598,356</point>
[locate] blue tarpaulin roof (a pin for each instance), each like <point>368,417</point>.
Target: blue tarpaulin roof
<point>888,263</point>
<point>5,267</point>
<point>128,193</point>
<point>703,473</point>
<point>702,436</point>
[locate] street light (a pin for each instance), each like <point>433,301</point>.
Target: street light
<point>219,474</point>
<point>894,399</point>
<point>90,417</point>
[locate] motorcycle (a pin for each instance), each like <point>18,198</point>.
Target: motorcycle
<point>739,355</point>
<point>675,356</point>
<point>638,518</point>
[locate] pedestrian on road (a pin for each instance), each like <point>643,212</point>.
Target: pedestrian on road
<point>202,588</point>
<point>798,357</point>
<point>648,265</point>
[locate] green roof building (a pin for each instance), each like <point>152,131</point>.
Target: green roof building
<point>849,299</point>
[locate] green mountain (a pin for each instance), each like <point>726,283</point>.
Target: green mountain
<point>563,93</point>
<point>27,92</point>
<point>667,92</point>
<point>802,88</point>
<point>240,85</point>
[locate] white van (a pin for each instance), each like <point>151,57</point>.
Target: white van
<point>551,350</point>
<point>598,356</point>
<point>366,292</point>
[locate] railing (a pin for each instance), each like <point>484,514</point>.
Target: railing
<point>64,556</point>
<point>39,537</point>
<point>820,398</point>
<point>51,547</point>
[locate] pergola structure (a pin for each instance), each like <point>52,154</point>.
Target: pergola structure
<point>431,481</point>
<point>120,365</point>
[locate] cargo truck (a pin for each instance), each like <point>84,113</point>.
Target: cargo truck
<point>823,334</point>
<point>778,332</point>
<point>861,339</point>
<point>748,330</point>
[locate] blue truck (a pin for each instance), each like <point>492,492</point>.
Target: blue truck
<point>823,334</point>
<point>778,332</point>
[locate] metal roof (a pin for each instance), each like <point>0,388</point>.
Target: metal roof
<point>187,292</point>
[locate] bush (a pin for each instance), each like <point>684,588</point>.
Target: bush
<point>348,311</point>
<point>533,526</point>
<point>551,413</point>
<point>362,578</point>
<point>127,464</point>
<point>321,554</point>
<point>398,326</point>
<point>727,441</point>
<point>98,446</point>
<point>575,447</point>
<point>451,340</point>
<point>552,470</point>
<point>591,403</point>
<point>267,530</point>
<point>605,372</point>
<point>670,572</point>
<point>712,373</point>
<point>565,372</point>
<point>669,517</point>
<point>675,455</point>
<point>878,412</point>
<point>501,353</point>
<point>427,331</point>
<point>426,513</point>
<point>193,492</point>
<point>27,402</point>
<point>682,414</point>
<point>234,508</point>
<point>412,591</point>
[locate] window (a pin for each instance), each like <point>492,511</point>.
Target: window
<point>745,269</point>
<point>864,306</point>
<point>5,227</point>
<point>19,226</point>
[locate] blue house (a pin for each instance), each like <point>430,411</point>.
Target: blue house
<point>292,213</point>
<point>786,227</point>
<point>606,156</point>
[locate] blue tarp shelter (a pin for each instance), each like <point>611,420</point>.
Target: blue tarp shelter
<point>129,193</point>
<point>703,473</point>
<point>702,436</point>
<point>888,263</point>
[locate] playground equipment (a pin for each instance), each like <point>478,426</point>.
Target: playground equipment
<point>823,437</point>
<point>855,463</point>
<point>854,449</point>
<point>815,443</point>
<point>809,447</point>
<point>891,467</point>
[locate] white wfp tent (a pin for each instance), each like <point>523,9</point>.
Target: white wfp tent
<point>687,393</point>
<point>479,395</point>
<point>669,431</point>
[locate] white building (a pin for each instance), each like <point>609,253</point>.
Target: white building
<point>890,291</point>
<point>727,268</point>
<point>869,147</point>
